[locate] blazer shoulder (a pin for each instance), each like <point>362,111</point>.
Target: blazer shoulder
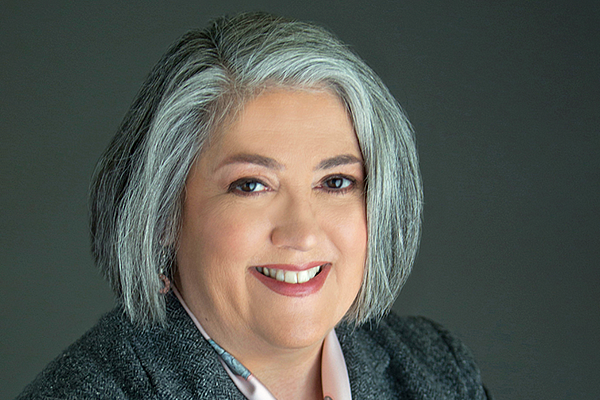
<point>100,364</point>
<point>424,336</point>
<point>427,354</point>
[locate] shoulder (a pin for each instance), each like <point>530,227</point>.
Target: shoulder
<point>91,365</point>
<point>118,360</point>
<point>414,356</point>
<point>425,340</point>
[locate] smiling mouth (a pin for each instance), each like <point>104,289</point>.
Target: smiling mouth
<point>292,277</point>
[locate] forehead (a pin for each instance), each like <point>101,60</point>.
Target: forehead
<point>288,119</point>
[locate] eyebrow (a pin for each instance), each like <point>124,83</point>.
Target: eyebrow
<point>267,162</point>
<point>343,159</point>
<point>251,159</point>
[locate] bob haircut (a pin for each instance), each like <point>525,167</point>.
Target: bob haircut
<point>205,78</point>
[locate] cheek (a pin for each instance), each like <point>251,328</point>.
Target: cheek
<point>350,229</point>
<point>219,237</point>
<point>347,228</point>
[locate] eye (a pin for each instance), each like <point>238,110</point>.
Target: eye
<point>247,186</point>
<point>338,183</point>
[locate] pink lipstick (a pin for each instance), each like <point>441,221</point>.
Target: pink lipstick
<point>293,280</point>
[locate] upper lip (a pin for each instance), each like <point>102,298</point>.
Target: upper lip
<point>293,267</point>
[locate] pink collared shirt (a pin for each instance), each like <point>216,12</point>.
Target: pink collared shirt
<point>334,375</point>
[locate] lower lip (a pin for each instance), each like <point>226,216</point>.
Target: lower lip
<point>294,289</point>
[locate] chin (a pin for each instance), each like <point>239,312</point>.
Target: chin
<point>297,330</point>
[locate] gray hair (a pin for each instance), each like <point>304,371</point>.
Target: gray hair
<point>136,195</point>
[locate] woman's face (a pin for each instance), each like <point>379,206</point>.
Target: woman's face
<point>280,188</point>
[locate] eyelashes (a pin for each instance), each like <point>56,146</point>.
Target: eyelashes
<point>338,184</point>
<point>247,187</point>
<point>334,184</point>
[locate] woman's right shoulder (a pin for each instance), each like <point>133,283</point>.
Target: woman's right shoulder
<point>94,366</point>
<point>117,359</point>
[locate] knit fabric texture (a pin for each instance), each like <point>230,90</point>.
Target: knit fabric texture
<point>399,358</point>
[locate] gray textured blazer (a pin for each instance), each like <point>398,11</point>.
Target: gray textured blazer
<point>401,358</point>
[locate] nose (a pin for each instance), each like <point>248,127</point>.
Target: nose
<point>296,226</point>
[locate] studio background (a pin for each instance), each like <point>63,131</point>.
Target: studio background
<point>504,98</point>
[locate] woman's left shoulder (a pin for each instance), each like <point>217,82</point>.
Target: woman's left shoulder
<point>426,339</point>
<point>418,355</point>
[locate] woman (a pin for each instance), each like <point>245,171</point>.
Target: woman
<point>259,206</point>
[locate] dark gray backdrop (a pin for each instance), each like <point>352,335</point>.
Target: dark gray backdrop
<point>504,98</point>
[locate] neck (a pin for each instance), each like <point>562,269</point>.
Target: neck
<point>291,376</point>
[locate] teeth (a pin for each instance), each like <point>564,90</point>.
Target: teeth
<point>280,275</point>
<point>290,276</point>
<point>303,277</point>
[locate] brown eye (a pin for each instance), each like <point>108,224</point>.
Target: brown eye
<point>247,186</point>
<point>335,183</point>
<point>338,183</point>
